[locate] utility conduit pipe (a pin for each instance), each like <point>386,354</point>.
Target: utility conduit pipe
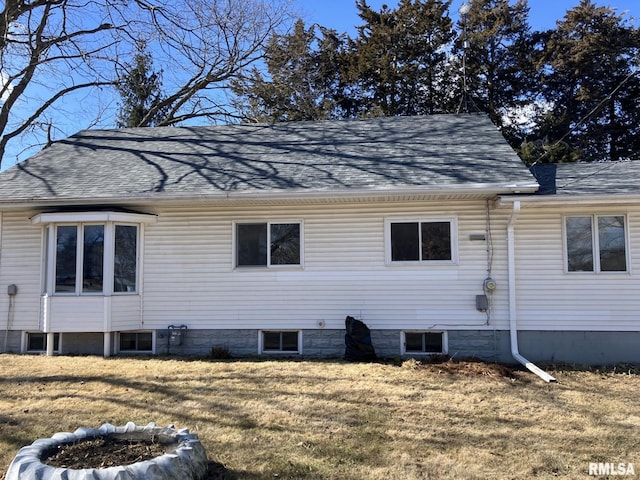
<point>513,315</point>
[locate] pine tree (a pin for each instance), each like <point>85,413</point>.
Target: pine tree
<point>140,89</point>
<point>303,81</point>
<point>496,38</point>
<point>398,60</point>
<point>589,76</point>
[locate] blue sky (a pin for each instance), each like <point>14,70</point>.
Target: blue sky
<point>342,16</point>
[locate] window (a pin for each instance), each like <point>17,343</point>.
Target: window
<point>280,341</point>
<point>92,258</point>
<point>91,252</point>
<point>267,244</point>
<point>421,241</point>
<point>596,243</point>
<point>424,342</point>
<point>66,255</point>
<point>136,342</point>
<point>125,258</point>
<point>80,254</point>
<point>37,342</point>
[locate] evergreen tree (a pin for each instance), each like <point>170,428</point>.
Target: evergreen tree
<point>398,61</point>
<point>588,78</point>
<point>303,81</point>
<point>496,38</point>
<point>140,89</point>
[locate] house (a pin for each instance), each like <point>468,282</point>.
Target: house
<point>575,291</point>
<point>261,239</point>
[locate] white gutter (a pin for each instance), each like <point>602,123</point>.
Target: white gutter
<point>513,315</point>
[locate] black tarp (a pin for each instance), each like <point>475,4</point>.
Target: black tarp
<point>358,341</point>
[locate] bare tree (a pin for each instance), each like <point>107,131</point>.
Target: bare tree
<point>61,59</point>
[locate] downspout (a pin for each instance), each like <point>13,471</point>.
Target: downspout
<point>513,315</point>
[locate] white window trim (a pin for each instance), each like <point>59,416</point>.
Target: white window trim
<point>262,351</point>
<point>595,244</point>
<point>445,343</point>
<point>453,222</point>
<point>137,352</point>
<point>234,245</point>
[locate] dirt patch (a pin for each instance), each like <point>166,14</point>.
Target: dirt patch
<point>104,452</point>
<point>465,367</point>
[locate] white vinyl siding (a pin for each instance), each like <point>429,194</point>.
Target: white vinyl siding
<point>190,275</point>
<point>21,264</point>
<point>125,312</point>
<point>550,298</point>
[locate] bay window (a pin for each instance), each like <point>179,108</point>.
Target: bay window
<point>80,258</point>
<point>92,253</point>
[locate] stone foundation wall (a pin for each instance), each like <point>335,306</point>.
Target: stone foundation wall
<point>82,344</point>
<point>485,345</point>
<point>240,343</point>
<point>589,348</point>
<point>13,341</point>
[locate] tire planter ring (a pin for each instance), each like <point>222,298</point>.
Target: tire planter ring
<point>186,460</point>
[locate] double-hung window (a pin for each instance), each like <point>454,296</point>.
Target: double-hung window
<point>421,240</point>
<point>596,243</point>
<point>268,244</point>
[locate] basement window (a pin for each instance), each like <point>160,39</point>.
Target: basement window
<point>136,342</point>
<point>424,343</point>
<point>280,341</point>
<point>37,342</point>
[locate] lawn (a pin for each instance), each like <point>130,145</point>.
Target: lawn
<point>334,420</point>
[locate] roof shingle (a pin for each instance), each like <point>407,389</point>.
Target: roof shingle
<point>438,151</point>
<point>598,178</point>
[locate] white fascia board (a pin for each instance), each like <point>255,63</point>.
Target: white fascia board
<point>89,216</point>
<point>291,196</point>
<point>555,200</point>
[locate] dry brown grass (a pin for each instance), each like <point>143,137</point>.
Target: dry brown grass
<point>335,420</point>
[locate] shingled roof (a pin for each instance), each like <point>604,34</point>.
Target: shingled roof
<point>434,153</point>
<point>598,178</point>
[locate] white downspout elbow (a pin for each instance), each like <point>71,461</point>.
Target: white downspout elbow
<point>513,313</point>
